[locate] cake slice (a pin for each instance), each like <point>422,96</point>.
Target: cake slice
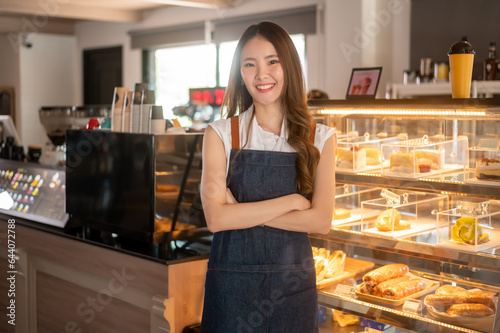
<point>488,168</point>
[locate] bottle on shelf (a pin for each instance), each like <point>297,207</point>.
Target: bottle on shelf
<point>490,64</point>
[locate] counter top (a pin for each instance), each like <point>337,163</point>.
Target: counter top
<point>160,253</point>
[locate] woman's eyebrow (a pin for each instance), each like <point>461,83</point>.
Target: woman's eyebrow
<point>266,57</point>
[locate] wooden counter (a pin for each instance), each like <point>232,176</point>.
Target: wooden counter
<point>65,284</point>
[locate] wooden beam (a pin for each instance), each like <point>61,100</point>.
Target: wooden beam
<point>18,24</point>
<point>42,11</point>
<point>199,3</point>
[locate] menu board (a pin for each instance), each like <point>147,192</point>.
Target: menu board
<point>33,192</point>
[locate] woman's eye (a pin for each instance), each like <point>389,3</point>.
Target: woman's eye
<point>248,65</point>
<point>273,62</point>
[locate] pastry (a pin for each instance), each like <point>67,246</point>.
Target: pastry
<point>433,156</point>
<point>464,230</point>
<point>345,319</point>
<point>442,302</point>
<point>448,289</point>
<point>384,273</point>
<point>328,265</point>
<point>336,263</point>
<point>382,287</point>
<point>390,220</point>
<point>470,310</point>
<point>404,288</point>
<point>402,163</point>
<point>424,160</point>
<point>373,156</point>
<point>342,213</point>
<point>351,158</point>
<point>488,168</point>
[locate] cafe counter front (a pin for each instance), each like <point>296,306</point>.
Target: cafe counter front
<point>79,261</point>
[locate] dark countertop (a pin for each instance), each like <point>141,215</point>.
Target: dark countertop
<point>167,253</point>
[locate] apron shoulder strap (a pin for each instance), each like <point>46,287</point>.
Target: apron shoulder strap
<point>235,133</point>
<point>313,133</point>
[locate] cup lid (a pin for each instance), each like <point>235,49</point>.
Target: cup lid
<point>156,112</point>
<point>461,47</point>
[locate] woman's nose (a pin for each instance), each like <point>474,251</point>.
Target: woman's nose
<point>262,72</point>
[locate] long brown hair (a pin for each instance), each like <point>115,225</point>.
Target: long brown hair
<point>293,100</point>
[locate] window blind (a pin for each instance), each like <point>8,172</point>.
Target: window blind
<point>294,21</point>
<point>180,34</point>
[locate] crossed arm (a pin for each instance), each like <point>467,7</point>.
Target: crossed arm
<point>291,212</point>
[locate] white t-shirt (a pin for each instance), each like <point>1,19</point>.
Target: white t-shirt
<point>260,139</point>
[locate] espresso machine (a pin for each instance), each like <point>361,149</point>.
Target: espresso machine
<point>55,120</point>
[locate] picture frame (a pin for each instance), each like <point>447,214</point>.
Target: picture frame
<point>364,82</point>
<point>7,102</point>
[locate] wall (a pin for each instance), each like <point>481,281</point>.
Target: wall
<point>436,25</point>
<point>9,69</point>
<point>47,78</point>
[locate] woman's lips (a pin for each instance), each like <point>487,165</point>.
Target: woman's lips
<point>265,87</point>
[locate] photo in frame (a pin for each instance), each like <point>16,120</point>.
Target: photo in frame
<point>364,82</point>
<point>7,102</point>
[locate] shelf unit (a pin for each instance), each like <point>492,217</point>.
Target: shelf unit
<point>469,269</point>
<point>411,90</point>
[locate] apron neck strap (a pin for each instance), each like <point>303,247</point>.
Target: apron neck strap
<point>235,133</point>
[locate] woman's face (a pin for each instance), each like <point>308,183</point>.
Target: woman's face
<point>261,71</point>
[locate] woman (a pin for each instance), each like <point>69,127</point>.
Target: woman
<point>265,185</point>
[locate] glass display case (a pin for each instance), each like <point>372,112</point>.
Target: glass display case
<point>470,226</point>
<point>348,199</point>
<point>424,156</point>
<point>361,153</point>
<point>401,214</point>
<point>455,273</point>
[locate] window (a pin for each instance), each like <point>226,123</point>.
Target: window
<point>179,68</point>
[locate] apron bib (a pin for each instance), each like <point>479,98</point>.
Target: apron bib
<point>260,279</point>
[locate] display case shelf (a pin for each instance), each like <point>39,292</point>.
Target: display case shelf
<point>386,315</point>
<point>452,182</point>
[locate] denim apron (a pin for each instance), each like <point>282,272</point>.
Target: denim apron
<point>260,279</point>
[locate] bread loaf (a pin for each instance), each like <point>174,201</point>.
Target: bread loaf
<point>470,310</point>
<point>442,302</point>
<point>382,287</point>
<point>404,288</point>
<point>448,289</point>
<point>384,273</point>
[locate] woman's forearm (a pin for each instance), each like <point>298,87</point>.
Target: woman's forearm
<point>310,220</point>
<point>228,216</point>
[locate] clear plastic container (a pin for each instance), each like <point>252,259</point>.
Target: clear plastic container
<point>348,200</point>
<point>425,156</point>
<point>470,226</point>
<point>402,214</point>
<point>362,153</point>
<point>483,166</point>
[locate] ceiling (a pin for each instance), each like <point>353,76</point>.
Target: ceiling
<point>58,15</point>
